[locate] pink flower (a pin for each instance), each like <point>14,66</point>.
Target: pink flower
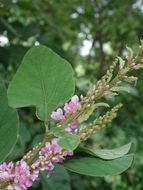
<point>4,176</point>
<point>70,153</point>
<point>73,125</point>
<point>22,174</point>
<point>68,130</point>
<point>57,115</point>
<point>50,166</point>
<point>59,159</point>
<point>55,147</point>
<point>6,172</point>
<point>67,108</point>
<point>73,105</point>
<point>75,99</point>
<point>50,173</point>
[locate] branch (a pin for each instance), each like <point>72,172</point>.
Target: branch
<point>49,151</point>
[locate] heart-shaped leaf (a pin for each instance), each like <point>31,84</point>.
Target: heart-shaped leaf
<point>8,125</point>
<point>108,154</point>
<point>69,141</point>
<point>44,80</point>
<point>97,167</point>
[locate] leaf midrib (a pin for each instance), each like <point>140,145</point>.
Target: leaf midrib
<point>44,91</point>
<point>43,87</point>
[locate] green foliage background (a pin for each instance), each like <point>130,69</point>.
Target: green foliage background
<point>67,27</point>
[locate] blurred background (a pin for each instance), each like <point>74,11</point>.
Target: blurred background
<point>89,34</point>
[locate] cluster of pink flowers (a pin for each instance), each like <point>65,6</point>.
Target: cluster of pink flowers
<point>22,175</point>
<point>72,107</point>
<point>49,155</point>
<point>19,175</point>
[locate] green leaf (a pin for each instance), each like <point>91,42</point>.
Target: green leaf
<point>37,139</point>
<point>8,125</point>
<point>101,104</point>
<point>69,141</point>
<point>108,154</point>
<point>111,95</point>
<point>92,166</point>
<point>58,131</point>
<point>133,91</point>
<point>23,138</point>
<point>59,180</point>
<point>120,88</point>
<point>44,80</point>
<point>85,116</point>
